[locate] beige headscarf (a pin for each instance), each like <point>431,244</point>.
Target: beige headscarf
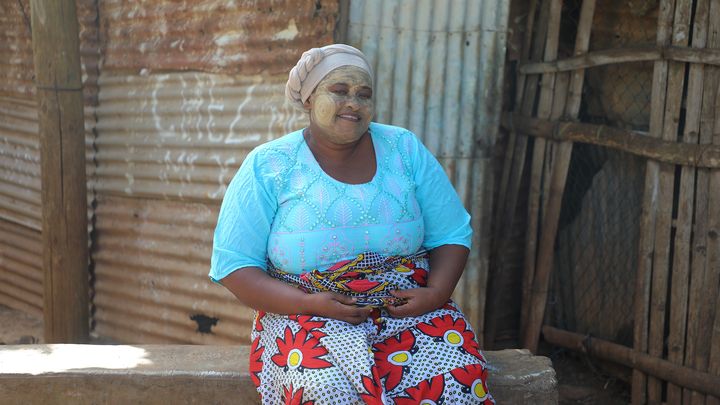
<point>315,64</point>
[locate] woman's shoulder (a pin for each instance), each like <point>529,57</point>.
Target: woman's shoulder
<point>276,155</point>
<point>398,138</point>
<point>286,144</point>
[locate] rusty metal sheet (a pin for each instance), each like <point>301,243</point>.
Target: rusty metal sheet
<point>19,163</point>
<point>21,285</point>
<point>439,67</point>
<point>16,59</point>
<point>187,89</point>
<point>242,36</point>
<point>20,200</point>
<point>151,284</point>
<point>183,135</point>
<point>16,53</point>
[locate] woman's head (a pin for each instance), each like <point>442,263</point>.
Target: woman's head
<point>317,63</point>
<point>334,84</point>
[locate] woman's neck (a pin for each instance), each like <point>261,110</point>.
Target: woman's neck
<point>328,150</point>
<point>352,163</point>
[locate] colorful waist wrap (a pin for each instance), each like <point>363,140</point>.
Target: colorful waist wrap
<point>430,359</point>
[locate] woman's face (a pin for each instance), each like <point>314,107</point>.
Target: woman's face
<point>341,105</point>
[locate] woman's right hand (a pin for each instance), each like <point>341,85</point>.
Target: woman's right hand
<point>336,306</point>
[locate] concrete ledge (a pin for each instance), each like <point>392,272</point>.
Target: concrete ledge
<point>159,374</point>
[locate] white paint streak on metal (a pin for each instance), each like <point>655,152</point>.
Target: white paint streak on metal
<point>178,120</point>
<point>231,138</point>
<point>288,33</point>
<point>439,68</point>
<point>229,37</point>
<point>248,37</point>
<point>184,134</point>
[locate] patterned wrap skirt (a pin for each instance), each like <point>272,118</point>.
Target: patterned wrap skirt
<point>429,359</point>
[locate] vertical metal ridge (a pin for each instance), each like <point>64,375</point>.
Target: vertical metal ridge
<point>439,74</point>
<point>20,267</point>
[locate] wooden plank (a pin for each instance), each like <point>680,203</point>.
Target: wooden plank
<point>513,169</point>
<point>658,367</point>
<point>680,276</point>
<point>515,153</point>
<point>704,278</point>
<point>663,232</point>
<point>555,175</point>
<point>648,219</point>
<point>713,245</point>
<point>58,78</point>
<point>625,55</point>
<point>582,44</point>
<point>635,142</point>
<point>544,110</point>
<point>684,257</point>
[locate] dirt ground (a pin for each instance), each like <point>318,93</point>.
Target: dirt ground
<point>16,327</point>
<point>580,379</point>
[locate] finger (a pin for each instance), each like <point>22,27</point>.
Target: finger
<point>362,313</point>
<point>403,293</point>
<point>400,311</point>
<point>344,299</point>
<point>356,319</point>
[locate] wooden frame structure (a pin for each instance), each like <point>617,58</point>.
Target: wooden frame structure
<point>58,78</point>
<point>676,302</point>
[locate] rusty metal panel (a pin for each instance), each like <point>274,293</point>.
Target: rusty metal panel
<point>151,284</point>
<point>20,200</point>
<point>16,58</point>
<point>183,135</point>
<point>19,163</point>
<point>16,53</point>
<point>19,142</point>
<point>21,285</point>
<point>439,67</point>
<point>220,36</point>
<point>186,90</point>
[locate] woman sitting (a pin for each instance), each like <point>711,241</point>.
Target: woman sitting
<point>348,239</point>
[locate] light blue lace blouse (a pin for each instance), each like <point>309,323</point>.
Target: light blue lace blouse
<point>283,207</point>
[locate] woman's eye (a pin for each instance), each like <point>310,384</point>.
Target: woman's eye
<point>340,92</point>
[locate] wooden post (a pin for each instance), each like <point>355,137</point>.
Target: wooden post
<point>555,176</point>
<point>513,166</point>
<point>62,155</point>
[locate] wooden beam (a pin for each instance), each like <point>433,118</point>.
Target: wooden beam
<point>625,55</point>
<point>544,110</point>
<point>635,142</point>
<point>62,159</point>
<point>511,177</point>
<point>662,369</point>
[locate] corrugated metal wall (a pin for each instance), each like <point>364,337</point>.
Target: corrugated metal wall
<point>20,210</point>
<point>186,91</point>
<point>438,67</point>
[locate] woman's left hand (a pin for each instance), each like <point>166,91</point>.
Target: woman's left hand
<point>419,301</point>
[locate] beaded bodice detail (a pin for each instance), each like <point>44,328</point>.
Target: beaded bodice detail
<point>321,220</point>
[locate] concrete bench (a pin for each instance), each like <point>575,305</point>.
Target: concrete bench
<point>159,374</point>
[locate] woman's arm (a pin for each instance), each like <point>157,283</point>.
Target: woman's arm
<point>447,263</point>
<point>254,288</point>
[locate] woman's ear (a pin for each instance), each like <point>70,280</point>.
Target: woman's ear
<point>306,104</point>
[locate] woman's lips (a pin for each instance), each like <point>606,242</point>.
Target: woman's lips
<point>350,117</point>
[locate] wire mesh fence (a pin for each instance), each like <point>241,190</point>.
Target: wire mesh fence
<point>599,226</point>
<point>596,250</point>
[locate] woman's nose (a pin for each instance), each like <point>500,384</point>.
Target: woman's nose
<point>353,102</point>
